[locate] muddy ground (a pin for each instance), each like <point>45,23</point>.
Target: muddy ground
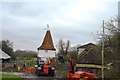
<point>61,71</point>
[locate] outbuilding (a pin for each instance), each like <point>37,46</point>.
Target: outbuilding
<point>4,56</point>
<point>47,51</point>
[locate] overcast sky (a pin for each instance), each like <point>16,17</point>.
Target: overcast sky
<point>23,22</point>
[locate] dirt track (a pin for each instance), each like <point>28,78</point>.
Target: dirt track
<point>60,74</point>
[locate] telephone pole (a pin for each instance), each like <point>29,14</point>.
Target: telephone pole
<point>103,36</point>
<point>118,37</point>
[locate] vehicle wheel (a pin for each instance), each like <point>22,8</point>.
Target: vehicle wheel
<point>38,73</point>
<point>52,73</point>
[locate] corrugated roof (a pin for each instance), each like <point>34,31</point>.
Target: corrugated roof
<point>47,42</point>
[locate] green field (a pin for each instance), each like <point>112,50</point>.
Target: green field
<point>10,77</point>
<point>30,62</point>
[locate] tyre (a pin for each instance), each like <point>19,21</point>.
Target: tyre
<point>52,73</point>
<point>38,73</point>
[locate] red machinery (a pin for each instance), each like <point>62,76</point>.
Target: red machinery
<point>79,75</point>
<point>44,69</point>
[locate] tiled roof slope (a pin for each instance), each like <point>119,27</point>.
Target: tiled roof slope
<point>47,42</point>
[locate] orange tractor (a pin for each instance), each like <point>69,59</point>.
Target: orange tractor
<point>44,69</point>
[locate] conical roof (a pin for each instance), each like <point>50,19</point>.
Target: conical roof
<point>47,42</point>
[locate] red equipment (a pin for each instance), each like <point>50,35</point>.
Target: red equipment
<point>79,75</point>
<point>29,70</point>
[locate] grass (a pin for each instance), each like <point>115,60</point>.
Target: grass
<point>30,62</point>
<point>10,77</point>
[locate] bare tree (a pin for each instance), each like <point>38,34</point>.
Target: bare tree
<point>112,44</point>
<point>64,48</point>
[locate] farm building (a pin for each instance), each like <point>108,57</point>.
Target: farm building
<point>4,56</point>
<point>4,59</point>
<point>89,58</point>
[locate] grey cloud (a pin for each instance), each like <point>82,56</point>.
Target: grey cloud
<point>30,35</point>
<point>32,9</point>
<point>21,40</point>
